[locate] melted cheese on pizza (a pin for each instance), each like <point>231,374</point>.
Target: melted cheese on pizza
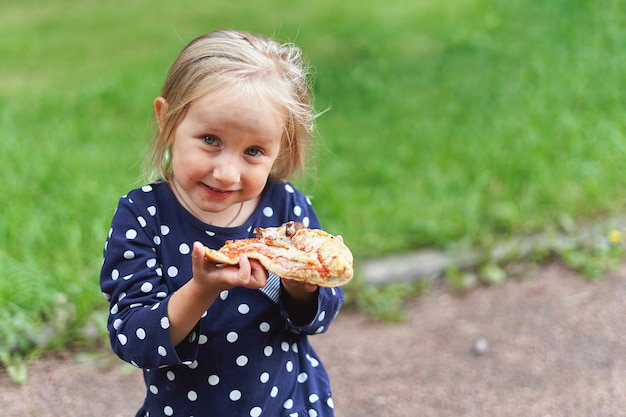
<point>292,251</point>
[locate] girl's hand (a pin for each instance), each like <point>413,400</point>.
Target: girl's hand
<point>248,273</point>
<point>300,301</point>
<point>192,300</point>
<point>301,292</point>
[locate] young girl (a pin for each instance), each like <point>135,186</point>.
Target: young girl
<point>234,118</point>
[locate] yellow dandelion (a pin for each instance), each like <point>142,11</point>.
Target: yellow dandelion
<point>616,237</point>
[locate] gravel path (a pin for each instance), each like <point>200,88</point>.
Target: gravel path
<point>548,344</point>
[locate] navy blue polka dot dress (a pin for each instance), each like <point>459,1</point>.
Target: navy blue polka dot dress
<point>246,356</point>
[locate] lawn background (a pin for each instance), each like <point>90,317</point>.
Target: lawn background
<point>456,123</point>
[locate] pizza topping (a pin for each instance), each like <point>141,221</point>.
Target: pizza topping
<point>293,251</point>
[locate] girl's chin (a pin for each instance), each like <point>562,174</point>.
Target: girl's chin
<point>214,207</point>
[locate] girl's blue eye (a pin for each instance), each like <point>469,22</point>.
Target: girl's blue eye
<point>253,152</point>
<point>209,139</point>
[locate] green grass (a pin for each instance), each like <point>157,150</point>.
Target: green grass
<point>458,122</point>
<point>508,118</point>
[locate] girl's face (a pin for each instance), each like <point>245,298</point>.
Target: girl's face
<point>222,154</point>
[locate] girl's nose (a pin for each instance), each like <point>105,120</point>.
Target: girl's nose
<point>226,171</point>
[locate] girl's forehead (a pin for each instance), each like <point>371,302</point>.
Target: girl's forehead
<point>237,99</point>
<point>232,106</point>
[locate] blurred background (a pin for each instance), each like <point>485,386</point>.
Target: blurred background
<point>453,124</point>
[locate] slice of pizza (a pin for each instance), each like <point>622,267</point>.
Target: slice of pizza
<point>292,251</point>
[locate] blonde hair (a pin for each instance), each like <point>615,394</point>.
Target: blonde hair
<point>247,63</point>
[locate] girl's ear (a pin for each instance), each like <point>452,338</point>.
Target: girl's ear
<point>160,108</point>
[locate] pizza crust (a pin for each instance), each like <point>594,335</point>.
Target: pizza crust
<point>294,252</point>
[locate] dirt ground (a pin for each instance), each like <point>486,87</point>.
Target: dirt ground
<point>547,344</point>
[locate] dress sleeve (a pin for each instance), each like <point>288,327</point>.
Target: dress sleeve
<point>132,281</point>
<point>329,301</point>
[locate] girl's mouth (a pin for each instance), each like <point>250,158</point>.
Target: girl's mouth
<point>217,193</point>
